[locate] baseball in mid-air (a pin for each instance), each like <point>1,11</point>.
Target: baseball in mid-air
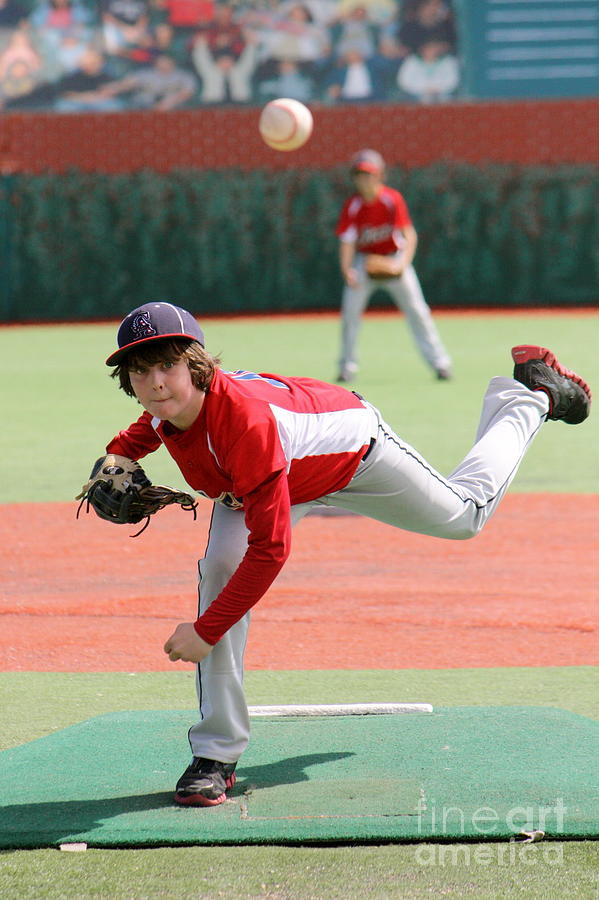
<point>285,124</point>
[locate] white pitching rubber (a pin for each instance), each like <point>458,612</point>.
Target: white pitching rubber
<point>341,709</point>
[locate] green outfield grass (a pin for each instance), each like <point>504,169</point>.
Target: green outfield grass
<point>62,407</point>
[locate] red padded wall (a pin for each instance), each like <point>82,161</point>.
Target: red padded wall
<point>526,133</point>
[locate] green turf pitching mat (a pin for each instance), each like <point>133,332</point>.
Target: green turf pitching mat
<point>457,773</point>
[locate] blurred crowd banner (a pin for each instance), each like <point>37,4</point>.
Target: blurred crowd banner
<point>72,56</point>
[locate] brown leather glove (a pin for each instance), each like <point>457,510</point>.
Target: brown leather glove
<point>119,491</point>
<point>379,266</point>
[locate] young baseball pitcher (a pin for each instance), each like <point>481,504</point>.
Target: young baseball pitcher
<point>268,448</point>
<point>377,245</point>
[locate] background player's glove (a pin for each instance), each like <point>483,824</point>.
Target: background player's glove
<point>380,266</point>
<point>119,491</point>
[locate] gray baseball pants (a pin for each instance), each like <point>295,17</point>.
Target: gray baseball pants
<point>407,295</point>
<point>394,485</point>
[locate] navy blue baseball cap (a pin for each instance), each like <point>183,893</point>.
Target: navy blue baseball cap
<point>151,322</point>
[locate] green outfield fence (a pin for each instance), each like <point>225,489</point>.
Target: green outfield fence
<point>84,245</point>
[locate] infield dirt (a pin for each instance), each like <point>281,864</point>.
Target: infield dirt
<point>355,594</point>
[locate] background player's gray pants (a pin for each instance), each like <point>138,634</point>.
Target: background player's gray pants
<point>407,295</point>
<point>394,485</point>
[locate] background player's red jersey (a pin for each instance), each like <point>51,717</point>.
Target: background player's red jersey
<point>376,226</point>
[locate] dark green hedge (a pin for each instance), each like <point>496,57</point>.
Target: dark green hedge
<point>79,246</point>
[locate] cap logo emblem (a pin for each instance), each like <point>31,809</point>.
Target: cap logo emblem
<point>142,327</point>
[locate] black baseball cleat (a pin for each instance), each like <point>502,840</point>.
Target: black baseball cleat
<point>539,370</point>
<point>205,782</point>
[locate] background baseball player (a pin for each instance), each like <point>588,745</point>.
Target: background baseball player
<point>266,449</point>
<point>377,243</point>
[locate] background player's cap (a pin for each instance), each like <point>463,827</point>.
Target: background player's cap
<point>367,161</point>
<point>151,322</point>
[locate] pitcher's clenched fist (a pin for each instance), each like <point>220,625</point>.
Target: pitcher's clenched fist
<point>186,644</point>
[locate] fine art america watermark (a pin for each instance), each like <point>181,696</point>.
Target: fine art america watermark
<point>466,855</point>
<point>525,824</point>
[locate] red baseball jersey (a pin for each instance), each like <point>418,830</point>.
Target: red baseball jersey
<point>376,226</point>
<point>261,443</point>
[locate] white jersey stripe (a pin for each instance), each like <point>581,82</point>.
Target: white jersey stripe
<point>319,434</point>
<point>211,448</point>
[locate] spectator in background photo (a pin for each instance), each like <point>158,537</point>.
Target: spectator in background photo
<point>288,81</point>
<point>126,34</point>
<point>423,21</point>
<point>357,79</point>
<point>224,58</point>
<point>366,55</point>
<point>323,12</point>
<point>158,39</point>
<point>351,80</point>
<point>21,67</point>
<point>13,15</point>
<point>353,30</point>
<point>162,35</point>
<point>426,34</point>
<point>379,12</point>
<point>430,75</point>
<point>225,79</point>
<point>16,82</point>
<point>292,36</point>
<point>81,90</point>
<point>223,34</point>
<point>162,86</point>
<point>62,29</point>
<point>186,16</point>
<point>385,64</point>
<point>78,91</point>
<point>61,16</point>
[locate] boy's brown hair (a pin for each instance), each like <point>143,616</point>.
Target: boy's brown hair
<point>200,363</point>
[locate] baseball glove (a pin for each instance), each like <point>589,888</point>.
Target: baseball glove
<point>380,266</point>
<point>119,491</point>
